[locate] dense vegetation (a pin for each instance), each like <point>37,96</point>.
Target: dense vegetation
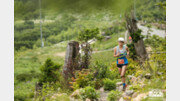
<point>44,65</point>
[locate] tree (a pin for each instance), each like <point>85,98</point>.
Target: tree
<point>84,36</point>
<point>137,38</point>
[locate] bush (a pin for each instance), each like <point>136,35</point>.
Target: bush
<point>49,72</point>
<point>101,70</point>
<point>109,84</point>
<point>83,78</point>
<point>90,93</point>
<point>156,42</point>
<point>132,67</point>
<point>113,95</point>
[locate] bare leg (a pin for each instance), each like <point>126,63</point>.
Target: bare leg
<point>120,69</point>
<point>123,74</point>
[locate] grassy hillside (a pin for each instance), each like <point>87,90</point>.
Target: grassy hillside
<point>27,68</point>
<point>31,62</point>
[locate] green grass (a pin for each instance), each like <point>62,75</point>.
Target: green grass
<point>26,68</point>
<point>111,43</point>
<point>153,99</point>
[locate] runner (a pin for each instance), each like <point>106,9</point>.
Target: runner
<point>121,51</point>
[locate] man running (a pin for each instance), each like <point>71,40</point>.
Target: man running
<point>121,51</point>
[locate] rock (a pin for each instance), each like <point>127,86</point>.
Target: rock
<point>88,100</point>
<point>130,76</point>
<point>148,49</point>
<point>107,37</point>
<point>140,97</point>
<point>133,79</point>
<point>103,33</point>
<point>143,85</point>
<point>118,84</point>
<point>159,73</point>
<point>141,81</point>
<point>164,90</point>
<point>101,89</point>
<point>134,95</point>
<point>148,76</point>
<point>129,92</point>
<point>76,93</point>
<point>126,98</point>
<point>121,99</point>
<point>120,88</point>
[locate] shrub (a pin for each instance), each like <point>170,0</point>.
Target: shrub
<point>132,66</point>
<point>83,78</point>
<point>109,84</point>
<point>113,95</point>
<point>49,72</point>
<point>90,93</point>
<point>101,70</point>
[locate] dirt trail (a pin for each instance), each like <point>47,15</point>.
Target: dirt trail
<point>61,54</point>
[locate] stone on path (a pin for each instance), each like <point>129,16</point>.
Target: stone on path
<point>118,84</point>
<point>103,94</point>
<point>134,94</point>
<point>129,92</point>
<point>76,93</point>
<point>140,97</point>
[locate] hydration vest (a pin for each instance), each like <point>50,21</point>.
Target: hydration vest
<point>122,52</point>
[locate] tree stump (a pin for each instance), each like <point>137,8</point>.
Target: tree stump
<point>71,59</point>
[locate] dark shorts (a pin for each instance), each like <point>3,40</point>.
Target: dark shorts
<point>120,66</point>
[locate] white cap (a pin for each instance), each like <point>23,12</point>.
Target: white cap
<point>121,39</point>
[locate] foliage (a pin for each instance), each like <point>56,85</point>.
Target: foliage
<point>27,73</point>
<point>109,84</point>
<point>82,79</point>
<point>101,70</point>
<point>156,42</point>
<point>153,12</point>
<point>49,71</point>
<point>113,95</point>
<point>25,9</point>
<point>132,66</point>
<point>27,76</point>
<point>132,52</point>
<point>90,93</point>
<point>137,36</point>
<point>83,37</point>
<point>115,28</point>
<point>27,33</point>
<point>88,34</point>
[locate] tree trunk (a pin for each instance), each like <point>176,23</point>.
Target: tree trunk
<point>71,59</point>
<point>131,25</point>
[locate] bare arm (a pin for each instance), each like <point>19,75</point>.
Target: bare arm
<point>127,49</point>
<point>115,55</point>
